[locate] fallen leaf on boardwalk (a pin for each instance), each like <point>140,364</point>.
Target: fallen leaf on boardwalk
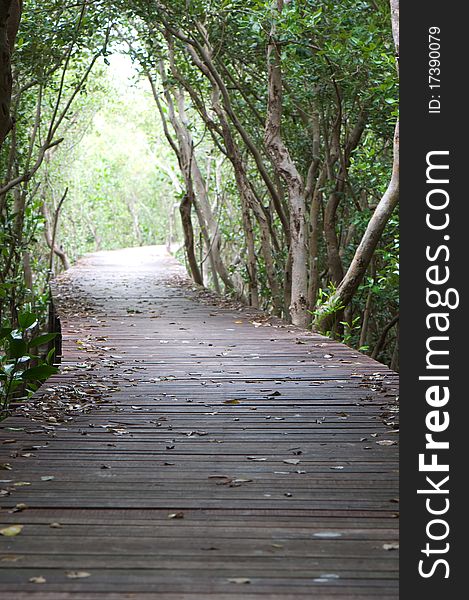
<point>392,546</point>
<point>231,401</point>
<point>5,466</point>
<point>337,468</point>
<point>77,574</point>
<point>55,525</point>
<point>19,508</point>
<point>176,515</point>
<point>10,558</point>
<point>39,579</point>
<point>239,580</point>
<point>386,443</point>
<point>12,530</point>
<point>47,478</point>
<point>4,493</point>
<point>255,458</point>
<point>8,441</point>
<point>291,461</point>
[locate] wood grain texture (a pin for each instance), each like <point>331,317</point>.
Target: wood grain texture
<point>191,448</point>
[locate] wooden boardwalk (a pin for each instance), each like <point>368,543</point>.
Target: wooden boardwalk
<point>191,451</point>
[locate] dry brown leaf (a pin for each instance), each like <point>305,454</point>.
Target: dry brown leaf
<point>19,508</point>
<point>77,574</point>
<point>10,558</point>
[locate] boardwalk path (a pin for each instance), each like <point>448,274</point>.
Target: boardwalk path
<point>229,457</point>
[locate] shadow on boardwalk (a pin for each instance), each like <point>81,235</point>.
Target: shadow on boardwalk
<point>189,450</point>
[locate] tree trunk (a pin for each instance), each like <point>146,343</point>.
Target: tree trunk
<point>27,271</point>
<point>382,338</point>
<point>313,284</point>
<point>395,355</point>
<point>295,187</point>
<point>334,261</point>
<point>367,311</point>
<point>10,16</point>
<point>50,241</point>
<point>185,212</point>
<point>131,205</point>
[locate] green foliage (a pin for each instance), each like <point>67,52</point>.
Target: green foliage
<point>21,369</point>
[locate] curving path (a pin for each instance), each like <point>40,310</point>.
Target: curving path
<point>191,449</point>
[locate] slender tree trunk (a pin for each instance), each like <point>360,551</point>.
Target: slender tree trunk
<point>50,240</point>
<point>313,284</point>
<point>382,338</point>
<point>296,190</point>
<point>185,212</point>
<point>395,355</point>
<point>334,262</point>
<point>251,263</point>
<point>27,271</point>
<point>131,205</point>
<point>367,311</point>
<point>10,16</point>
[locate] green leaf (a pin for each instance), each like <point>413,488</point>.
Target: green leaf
<point>50,356</point>
<point>5,332</point>
<point>42,339</point>
<point>11,530</point>
<point>39,373</point>
<point>26,319</point>
<point>17,348</point>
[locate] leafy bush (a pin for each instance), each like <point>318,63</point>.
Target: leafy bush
<point>22,369</point>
